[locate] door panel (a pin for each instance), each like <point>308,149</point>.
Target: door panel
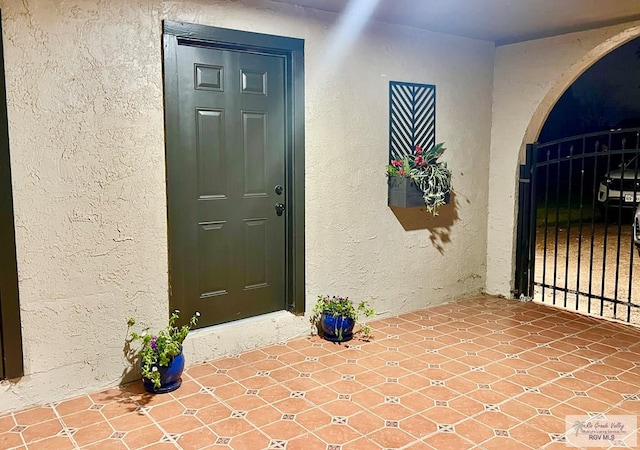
<point>232,125</point>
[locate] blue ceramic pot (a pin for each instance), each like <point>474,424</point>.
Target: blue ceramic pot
<point>336,328</point>
<point>170,376</point>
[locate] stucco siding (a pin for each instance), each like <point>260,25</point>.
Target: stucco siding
<point>86,124</point>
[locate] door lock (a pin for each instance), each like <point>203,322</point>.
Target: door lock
<point>278,189</point>
<point>279,208</point>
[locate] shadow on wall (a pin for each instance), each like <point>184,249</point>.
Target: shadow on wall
<point>439,226</point>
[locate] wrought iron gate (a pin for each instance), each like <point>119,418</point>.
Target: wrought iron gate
<point>575,246</point>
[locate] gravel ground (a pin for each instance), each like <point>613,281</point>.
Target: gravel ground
<point>618,261</point>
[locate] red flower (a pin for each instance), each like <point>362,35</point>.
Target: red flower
<point>419,160</point>
<point>396,163</point>
<point>419,150</point>
<point>401,172</point>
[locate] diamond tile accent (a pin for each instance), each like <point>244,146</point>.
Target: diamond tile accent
<point>348,377</point>
<point>311,358</point>
<point>532,390</point>
<point>436,383</point>
<point>223,440</point>
<point>477,369</point>
<point>251,392</point>
<point>305,375</point>
<point>393,400</point>
<point>544,412</point>
<point>432,351</point>
<point>391,423</point>
<point>142,410</point>
<point>542,344</point>
<point>263,373</point>
<point>579,394</point>
<point>170,437</point>
<point>566,375</point>
<point>612,377</point>
<point>117,435</point>
<point>221,371</point>
<point>352,361</point>
<point>513,356</point>
<point>393,363</point>
<point>18,429</point>
<point>276,444</point>
<point>392,336</point>
<point>272,357</point>
<point>392,349</point>
<point>96,407</point>
<point>446,428</point>
<point>466,341</point>
<point>472,353</point>
<point>424,327</point>
<point>298,394</point>
<point>392,380</point>
<point>288,417</point>
<point>484,386</point>
<point>491,407</point>
<point>441,403</point>
<point>553,358</point>
<point>344,396</point>
<point>630,397</point>
<point>189,412</point>
<point>239,414</point>
<point>503,433</point>
<point>317,344</point>
<point>206,390</point>
<point>339,420</point>
<point>356,347</point>
<point>67,432</point>
<point>521,371</point>
<point>555,437</point>
<point>429,338</point>
<point>434,366</point>
<point>334,447</point>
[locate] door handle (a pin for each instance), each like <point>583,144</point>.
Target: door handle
<point>279,208</point>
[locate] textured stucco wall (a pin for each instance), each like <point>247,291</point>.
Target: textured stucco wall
<point>528,80</point>
<point>87,147</point>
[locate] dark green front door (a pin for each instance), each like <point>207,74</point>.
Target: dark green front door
<point>226,182</point>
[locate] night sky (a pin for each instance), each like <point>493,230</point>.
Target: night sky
<point>606,96</point>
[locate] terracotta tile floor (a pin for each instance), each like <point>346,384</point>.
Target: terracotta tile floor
<point>478,373</point>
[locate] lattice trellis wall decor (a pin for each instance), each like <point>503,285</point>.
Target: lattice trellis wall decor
<point>412,117</point>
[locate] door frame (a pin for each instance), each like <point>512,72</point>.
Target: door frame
<point>292,50</point>
<point>11,357</point>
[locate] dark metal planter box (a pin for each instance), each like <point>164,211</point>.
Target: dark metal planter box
<point>404,193</point>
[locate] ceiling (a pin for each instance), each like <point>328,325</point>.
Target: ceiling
<point>500,21</point>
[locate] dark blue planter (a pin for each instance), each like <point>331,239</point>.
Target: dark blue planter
<point>336,328</point>
<point>170,376</point>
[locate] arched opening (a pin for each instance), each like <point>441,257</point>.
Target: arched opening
<point>579,189</point>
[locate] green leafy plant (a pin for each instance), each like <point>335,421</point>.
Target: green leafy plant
<point>342,306</point>
<point>432,177</point>
<point>159,349</point>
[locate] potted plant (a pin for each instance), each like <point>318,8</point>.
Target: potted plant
<point>335,317</point>
<point>420,178</point>
<point>161,358</point>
